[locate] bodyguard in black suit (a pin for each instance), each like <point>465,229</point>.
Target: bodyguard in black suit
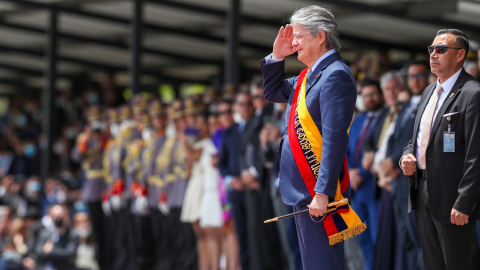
<point>443,157</point>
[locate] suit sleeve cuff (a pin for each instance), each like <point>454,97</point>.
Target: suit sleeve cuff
<point>400,162</point>
<point>270,60</point>
<point>253,171</point>
<point>228,182</point>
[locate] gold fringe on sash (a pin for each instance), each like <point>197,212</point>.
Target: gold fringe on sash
<point>348,233</point>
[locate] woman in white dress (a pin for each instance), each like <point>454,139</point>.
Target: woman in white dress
<point>202,206</point>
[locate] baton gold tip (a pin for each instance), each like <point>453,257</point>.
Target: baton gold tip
<point>271,220</point>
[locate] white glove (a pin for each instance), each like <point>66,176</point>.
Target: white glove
<point>164,208</point>
<point>141,204</point>
<point>116,201</point>
<point>107,210</point>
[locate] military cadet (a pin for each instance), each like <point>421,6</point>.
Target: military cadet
<point>182,244</point>
<point>89,151</point>
<point>123,240</point>
<point>137,201</point>
<point>153,144</point>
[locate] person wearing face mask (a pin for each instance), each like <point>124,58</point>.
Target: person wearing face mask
<point>6,158</point>
<point>116,191</point>
<point>172,170</point>
<point>143,246</point>
<point>92,97</point>
<point>89,152</point>
<point>27,160</point>
<point>136,192</point>
<point>85,259</point>
<point>154,141</point>
<point>56,248</point>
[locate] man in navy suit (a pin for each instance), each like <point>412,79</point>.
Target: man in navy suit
<point>362,181</point>
<point>330,100</point>
<point>231,164</point>
<point>407,228</point>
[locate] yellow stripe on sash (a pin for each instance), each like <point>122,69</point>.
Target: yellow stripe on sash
<point>309,126</point>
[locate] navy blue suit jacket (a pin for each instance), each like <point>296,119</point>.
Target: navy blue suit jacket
<point>355,130</point>
<point>403,132</point>
<point>330,95</point>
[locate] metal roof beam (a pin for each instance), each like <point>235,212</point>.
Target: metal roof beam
<point>115,44</point>
<point>386,11</point>
<point>148,26</point>
<point>277,23</point>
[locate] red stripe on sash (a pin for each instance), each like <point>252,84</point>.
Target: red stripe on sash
<point>329,225</point>
<point>300,159</point>
<point>345,182</point>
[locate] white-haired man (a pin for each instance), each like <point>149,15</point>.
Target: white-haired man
<point>321,103</point>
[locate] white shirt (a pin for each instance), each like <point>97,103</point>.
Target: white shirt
<point>381,153</point>
<point>414,101</point>
<point>447,86</point>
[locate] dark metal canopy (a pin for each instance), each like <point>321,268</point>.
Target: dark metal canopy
<point>187,40</point>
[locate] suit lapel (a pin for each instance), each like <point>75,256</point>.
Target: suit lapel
<point>314,75</point>
<point>448,100</point>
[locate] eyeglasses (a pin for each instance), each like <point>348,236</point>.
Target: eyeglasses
<point>257,97</point>
<point>372,95</point>
<point>440,49</point>
<point>244,104</point>
<point>417,76</point>
<point>225,112</point>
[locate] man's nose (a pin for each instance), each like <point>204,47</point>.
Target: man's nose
<point>294,42</point>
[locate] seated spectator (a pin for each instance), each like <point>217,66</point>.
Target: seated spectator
<point>18,234</point>
<point>56,248</point>
<point>86,258</point>
<point>5,216</point>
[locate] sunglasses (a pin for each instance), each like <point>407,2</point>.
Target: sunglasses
<point>440,49</point>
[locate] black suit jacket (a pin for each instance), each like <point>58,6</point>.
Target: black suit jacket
<point>453,179</point>
<point>370,143</point>
<point>232,152</point>
<point>63,253</point>
<point>403,131</point>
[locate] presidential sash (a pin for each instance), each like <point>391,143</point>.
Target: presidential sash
<point>305,139</point>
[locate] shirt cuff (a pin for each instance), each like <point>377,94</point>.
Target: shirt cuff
<point>270,60</point>
<point>400,162</point>
<point>253,171</point>
<point>228,182</point>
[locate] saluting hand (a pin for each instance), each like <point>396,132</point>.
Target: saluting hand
<point>409,164</point>
<point>283,43</point>
<point>319,204</point>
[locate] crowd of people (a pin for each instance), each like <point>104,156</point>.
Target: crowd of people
<point>141,184</point>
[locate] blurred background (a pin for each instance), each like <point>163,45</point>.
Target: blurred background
<point>58,58</point>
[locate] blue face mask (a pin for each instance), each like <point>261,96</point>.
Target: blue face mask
<point>33,186</point>
<point>92,99</point>
<point>21,121</point>
<point>29,150</point>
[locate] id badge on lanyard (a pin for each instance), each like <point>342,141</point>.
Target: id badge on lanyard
<point>449,139</point>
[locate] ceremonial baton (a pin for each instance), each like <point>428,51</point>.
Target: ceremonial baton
<point>333,204</point>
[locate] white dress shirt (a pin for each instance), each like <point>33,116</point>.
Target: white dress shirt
<point>447,86</point>
<point>381,153</point>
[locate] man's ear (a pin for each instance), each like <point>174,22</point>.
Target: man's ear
<point>322,37</point>
<point>462,55</point>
